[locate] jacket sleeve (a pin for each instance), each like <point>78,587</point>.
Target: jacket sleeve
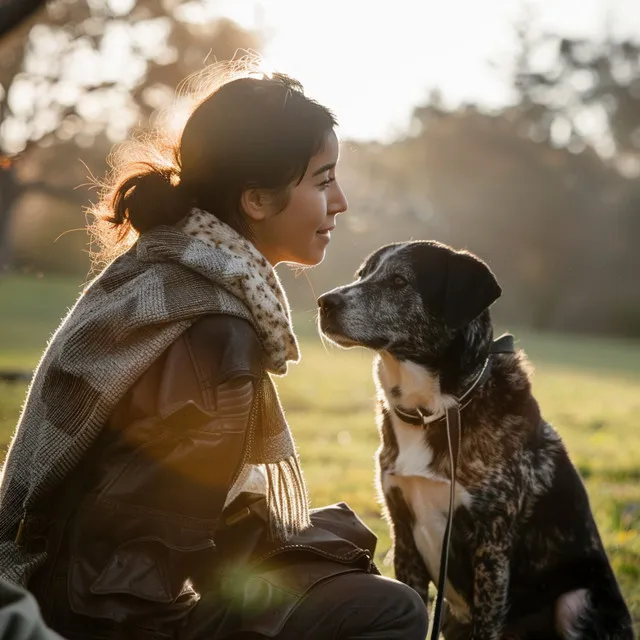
<point>183,428</point>
<point>174,447</point>
<point>20,617</point>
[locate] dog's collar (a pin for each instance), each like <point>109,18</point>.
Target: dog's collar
<point>420,416</point>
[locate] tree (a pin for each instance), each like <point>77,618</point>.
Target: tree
<point>580,92</point>
<point>78,70</point>
<point>13,12</point>
<point>584,94</point>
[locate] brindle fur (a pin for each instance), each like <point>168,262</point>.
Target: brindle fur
<point>526,537</point>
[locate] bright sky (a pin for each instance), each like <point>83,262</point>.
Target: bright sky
<point>372,61</point>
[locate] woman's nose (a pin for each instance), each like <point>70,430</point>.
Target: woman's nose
<point>339,202</point>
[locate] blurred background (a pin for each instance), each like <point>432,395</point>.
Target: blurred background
<point>509,128</point>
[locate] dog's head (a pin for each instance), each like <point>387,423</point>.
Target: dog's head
<point>411,299</point>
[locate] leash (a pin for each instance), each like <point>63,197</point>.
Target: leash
<point>421,416</point>
<point>453,438</point>
<point>451,417</point>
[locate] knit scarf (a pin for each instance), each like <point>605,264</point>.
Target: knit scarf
<point>251,279</point>
<point>123,321</point>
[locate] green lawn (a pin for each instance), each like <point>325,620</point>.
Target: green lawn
<point>30,309</point>
<point>589,390</point>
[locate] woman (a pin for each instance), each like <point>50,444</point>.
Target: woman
<point>152,489</point>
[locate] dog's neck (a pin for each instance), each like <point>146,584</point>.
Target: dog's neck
<point>465,356</point>
<point>410,385</point>
<point>436,387</point>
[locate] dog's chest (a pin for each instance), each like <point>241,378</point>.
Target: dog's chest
<point>427,495</point>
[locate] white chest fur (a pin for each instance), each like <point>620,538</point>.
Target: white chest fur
<point>427,496</point>
<point>425,492</point>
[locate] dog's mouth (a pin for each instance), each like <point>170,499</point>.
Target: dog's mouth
<point>341,340</point>
<point>331,329</point>
<point>340,323</point>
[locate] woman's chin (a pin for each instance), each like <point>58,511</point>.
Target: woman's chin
<point>311,258</point>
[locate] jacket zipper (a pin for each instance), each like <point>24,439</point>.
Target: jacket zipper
<point>356,554</point>
<point>20,532</point>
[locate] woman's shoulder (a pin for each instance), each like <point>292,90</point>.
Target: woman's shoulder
<point>214,350</point>
<point>226,343</point>
<point>214,325</point>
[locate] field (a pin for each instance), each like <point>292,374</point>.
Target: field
<point>589,390</point>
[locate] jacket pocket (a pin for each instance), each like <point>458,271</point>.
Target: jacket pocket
<point>127,565</point>
<point>336,533</point>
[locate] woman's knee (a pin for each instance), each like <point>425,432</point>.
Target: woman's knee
<point>409,605</point>
<point>397,611</point>
<point>359,605</point>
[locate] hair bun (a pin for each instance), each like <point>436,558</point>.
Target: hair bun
<point>150,198</point>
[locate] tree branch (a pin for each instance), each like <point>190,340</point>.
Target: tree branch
<point>13,12</point>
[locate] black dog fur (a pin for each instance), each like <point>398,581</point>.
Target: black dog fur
<point>526,560</point>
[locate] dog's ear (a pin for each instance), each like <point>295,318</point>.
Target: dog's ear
<point>470,288</point>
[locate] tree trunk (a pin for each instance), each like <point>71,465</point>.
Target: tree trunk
<point>13,12</point>
<point>9,190</point>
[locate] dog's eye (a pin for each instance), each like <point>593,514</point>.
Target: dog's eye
<point>398,281</point>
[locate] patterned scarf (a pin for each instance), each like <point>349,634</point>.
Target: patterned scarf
<point>251,279</point>
<point>127,317</point>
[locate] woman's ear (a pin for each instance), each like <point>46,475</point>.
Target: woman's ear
<point>256,204</point>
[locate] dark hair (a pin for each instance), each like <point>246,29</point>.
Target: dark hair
<point>254,130</point>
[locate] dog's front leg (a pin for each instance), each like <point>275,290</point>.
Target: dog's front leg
<point>490,588</point>
<point>407,561</point>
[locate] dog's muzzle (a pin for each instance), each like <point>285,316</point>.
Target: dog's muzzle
<point>329,305</point>
<point>329,302</point>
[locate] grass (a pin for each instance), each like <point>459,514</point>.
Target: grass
<point>597,415</point>
<point>30,309</point>
<point>589,390</point>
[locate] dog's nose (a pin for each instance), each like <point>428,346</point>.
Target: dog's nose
<point>329,301</point>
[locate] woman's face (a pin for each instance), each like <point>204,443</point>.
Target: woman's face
<point>301,231</point>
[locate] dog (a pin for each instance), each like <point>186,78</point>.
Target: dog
<point>526,561</point>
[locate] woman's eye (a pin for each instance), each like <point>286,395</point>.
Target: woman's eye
<point>325,183</point>
<point>399,281</point>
